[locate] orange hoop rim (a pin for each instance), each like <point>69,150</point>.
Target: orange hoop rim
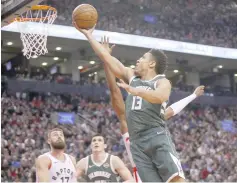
<point>37,7</point>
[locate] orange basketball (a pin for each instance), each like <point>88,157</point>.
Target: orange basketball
<point>85,16</point>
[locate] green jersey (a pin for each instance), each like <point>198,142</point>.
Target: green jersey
<point>142,115</point>
<point>103,172</point>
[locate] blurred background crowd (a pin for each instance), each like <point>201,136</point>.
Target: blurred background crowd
<point>207,148</point>
<point>205,21</point>
<point>205,135</point>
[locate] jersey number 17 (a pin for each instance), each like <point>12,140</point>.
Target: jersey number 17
<point>64,179</point>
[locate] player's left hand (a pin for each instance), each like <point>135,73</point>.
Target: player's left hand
<point>199,91</point>
<point>128,88</point>
<point>105,44</point>
<point>84,31</point>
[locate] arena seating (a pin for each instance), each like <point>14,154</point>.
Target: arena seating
<point>205,21</point>
<point>207,151</point>
<point>205,136</point>
<point>67,79</point>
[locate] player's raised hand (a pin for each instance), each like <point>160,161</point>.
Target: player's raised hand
<point>127,87</point>
<point>86,32</point>
<point>105,44</point>
<point>199,90</point>
<point>122,84</point>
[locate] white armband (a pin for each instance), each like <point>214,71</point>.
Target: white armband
<point>178,106</point>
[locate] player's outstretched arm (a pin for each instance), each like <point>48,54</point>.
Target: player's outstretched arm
<point>116,99</point>
<point>157,96</point>
<point>115,93</point>
<point>122,170</point>
<point>114,64</point>
<point>42,164</point>
<point>176,107</point>
<point>80,168</point>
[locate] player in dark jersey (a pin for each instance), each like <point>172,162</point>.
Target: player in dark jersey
<point>119,107</point>
<point>101,166</point>
<point>148,92</point>
<point>152,148</point>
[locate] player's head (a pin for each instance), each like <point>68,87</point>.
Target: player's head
<point>98,143</point>
<point>152,60</point>
<point>56,139</point>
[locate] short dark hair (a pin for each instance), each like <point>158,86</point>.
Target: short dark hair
<point>98,135</point>
<point>161,60</point>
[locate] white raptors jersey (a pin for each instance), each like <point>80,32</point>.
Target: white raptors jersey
<point>59,171</point>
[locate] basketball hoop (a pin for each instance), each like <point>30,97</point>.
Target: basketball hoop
<point>35,39</point>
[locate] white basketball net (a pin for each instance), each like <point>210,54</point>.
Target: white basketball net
<point>34,37</point>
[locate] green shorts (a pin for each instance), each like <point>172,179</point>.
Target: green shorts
<point>155,156</point>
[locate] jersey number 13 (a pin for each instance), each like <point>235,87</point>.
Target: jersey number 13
<point>136,103</point>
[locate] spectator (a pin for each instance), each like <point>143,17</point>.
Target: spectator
<point>205,148</point>
<point>205,21</point>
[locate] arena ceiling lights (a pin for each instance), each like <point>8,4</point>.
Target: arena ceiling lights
<point>44,63</point>
<point>58,48</point>
<point>9,43</point>
<point>55,58</point>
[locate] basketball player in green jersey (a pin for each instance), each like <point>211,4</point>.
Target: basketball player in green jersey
<point>119,108</point>
<point>151,145</point>
<point>101,166</point>
<point>116,99</point>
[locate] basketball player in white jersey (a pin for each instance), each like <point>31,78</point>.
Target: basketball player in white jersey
<point>56,166</point>
<point>119,107</point>
<point>101,166</point>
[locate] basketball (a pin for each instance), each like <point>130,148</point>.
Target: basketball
<point>85,16</point>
